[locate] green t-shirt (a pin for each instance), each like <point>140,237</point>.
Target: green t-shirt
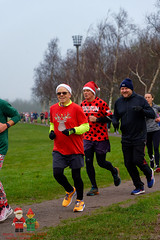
<point>6,110</point>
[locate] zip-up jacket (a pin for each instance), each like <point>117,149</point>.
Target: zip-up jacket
<point>152,125</point>
<point>133,122</point>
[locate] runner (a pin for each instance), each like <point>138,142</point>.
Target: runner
<point>153,133</point>
<point>67,124</point>
<point>131,110</point>
<point>96,139</point>
<point>6,111</point>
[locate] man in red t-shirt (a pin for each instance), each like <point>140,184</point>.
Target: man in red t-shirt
<point>96,139</point>
<point>67,125</point>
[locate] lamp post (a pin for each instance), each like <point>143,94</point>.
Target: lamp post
<point>77,39</point>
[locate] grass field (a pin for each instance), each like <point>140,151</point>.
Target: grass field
<point>128,221</point>
<point>27,171</point>
<point>27,178</point>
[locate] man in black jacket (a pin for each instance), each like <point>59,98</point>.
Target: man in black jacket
<point>132,109</point>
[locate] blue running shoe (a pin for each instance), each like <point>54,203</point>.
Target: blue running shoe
<point>152,182</point>
<point>138,191</point>
<point>93,191</point>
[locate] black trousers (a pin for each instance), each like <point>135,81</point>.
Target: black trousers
<point>62,180</point>
<point>153,139</point>
<point>133,158</point>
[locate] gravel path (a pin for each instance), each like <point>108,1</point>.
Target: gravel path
<point>50,213</point>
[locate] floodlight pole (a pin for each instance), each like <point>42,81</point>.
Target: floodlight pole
<point>77,39</point>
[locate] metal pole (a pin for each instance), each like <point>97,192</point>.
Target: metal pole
<point>77,47</point>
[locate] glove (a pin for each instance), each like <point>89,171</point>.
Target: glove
<point>52,135</point>
<point>137,108</point>
<point>116,126</point>
<point>106,119</point>
<point>68,132</point>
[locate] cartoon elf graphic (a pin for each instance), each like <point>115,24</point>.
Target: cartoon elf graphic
<point>31,222</point>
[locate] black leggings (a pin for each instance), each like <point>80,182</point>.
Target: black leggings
<point>101,160</point>
<point>58,174</point>
<point>153,139</point>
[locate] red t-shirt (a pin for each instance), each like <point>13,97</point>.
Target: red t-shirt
<point>64,118</point>
<point>46,114</point>
<point>97,108</point>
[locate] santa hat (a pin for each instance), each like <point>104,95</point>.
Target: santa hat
<point>30,212</point>
<point>92,86</point>
<point>18,210</point>
<point>65,86</point>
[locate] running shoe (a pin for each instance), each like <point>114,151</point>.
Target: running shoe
<point>68,198</point>
<point>152,182</point>
<point>93,191</point>
<point>157,169</point>
<point>79,207</point>
<point>5,212</point>
<point>116,177</point>
<point>138,191</point>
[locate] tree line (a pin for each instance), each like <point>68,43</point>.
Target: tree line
<point>115,49</point>
<point>26,105</point>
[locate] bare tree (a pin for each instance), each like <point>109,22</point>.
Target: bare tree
<point>155,53</point>
<point>144,56</point>
<point>47,74</point>
<point>111,52</point>
<point>153,21</point>
<point>113,37</point>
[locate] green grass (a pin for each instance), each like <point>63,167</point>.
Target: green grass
<point>27,177</point>
<point>27,174</point>
<point>127,221</point>
<point>27,171</point>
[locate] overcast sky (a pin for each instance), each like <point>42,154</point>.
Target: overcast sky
<point>27,26</point>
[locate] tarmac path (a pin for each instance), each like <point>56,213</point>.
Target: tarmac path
<point>50,213</point>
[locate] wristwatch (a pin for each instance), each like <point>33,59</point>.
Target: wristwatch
<point>8,125</point>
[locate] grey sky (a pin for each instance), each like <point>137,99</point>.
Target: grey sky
<point>27,26</point>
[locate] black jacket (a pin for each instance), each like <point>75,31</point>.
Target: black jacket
<point>133,123</point>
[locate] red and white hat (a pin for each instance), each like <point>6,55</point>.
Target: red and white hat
<point>92,86</point>
<point>65,86</point>
<point>18,210</point>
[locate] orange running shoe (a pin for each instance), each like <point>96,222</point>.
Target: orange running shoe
<point>68,198</point>
<point>79,207</point>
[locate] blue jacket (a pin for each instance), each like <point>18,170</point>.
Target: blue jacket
<point>133,123</point>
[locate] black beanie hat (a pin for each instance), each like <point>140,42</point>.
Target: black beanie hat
<point>127,83</point>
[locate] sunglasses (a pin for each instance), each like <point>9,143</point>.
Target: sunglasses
<point>63,93</point>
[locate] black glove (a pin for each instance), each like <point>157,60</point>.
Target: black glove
<point>52,135</point>
<point>116,126</point>
<point>68,132</point>
<point>137,108</point>
<point>106,119</point>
